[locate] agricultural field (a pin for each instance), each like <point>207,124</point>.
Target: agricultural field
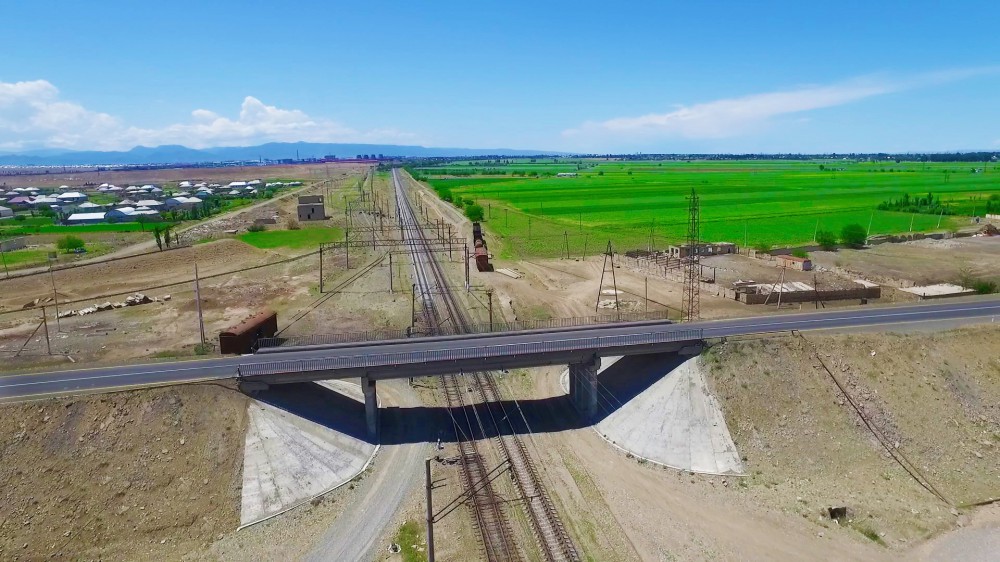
<point>752,203</point>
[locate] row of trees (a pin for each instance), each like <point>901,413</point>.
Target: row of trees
<point>907,204</point>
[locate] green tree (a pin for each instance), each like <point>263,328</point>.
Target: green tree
<point>854,235</point>
<point>826,239</point>
<point>69,243</point>
<point>474,212</point>
<point>158,237</point>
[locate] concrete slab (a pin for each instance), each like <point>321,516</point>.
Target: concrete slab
<point>302,440</point>
<point>661,410</point>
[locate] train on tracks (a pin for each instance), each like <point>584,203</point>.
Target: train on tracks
<point>481,250</point>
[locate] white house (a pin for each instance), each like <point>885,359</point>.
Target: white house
<point>85,218</point>
<point>89,207</point>
<point>71,197</point>
<point>181,203</point>
<point>149,203</point>
<point>6,213</point>
<point>237,184</point>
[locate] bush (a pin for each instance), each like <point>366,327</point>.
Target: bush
<point>474,212</point>
<point>854,235</point>
<point>800,253</point>
<point>468,201</point>
<point>826,239</point>
<point>69,243</point>
<point>762,247</point>
<point>20,218</point>
<point>293,224</point>
<point>255,228</point>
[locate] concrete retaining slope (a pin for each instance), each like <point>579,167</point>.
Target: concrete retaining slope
<point>301,442</point>
<point>674,421</point>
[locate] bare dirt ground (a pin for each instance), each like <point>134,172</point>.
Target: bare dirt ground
<point>935,397</point>
<point>129,476</point>
<point>920,262</point>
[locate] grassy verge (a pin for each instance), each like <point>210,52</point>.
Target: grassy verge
<point>410,538</point>
<point>293,239</point>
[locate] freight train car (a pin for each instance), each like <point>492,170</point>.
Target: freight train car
<point>481,250</point>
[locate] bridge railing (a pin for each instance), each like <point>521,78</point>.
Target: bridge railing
<point>482,328</point>
<point>371,360</point>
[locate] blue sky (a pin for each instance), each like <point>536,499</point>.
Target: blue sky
<point>573,76</point>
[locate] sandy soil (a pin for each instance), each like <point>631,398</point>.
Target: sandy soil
<point>149,474</point>
<point>935,398</point>
<point>920,262</point>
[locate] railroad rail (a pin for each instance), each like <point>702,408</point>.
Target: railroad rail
<point>553,539</point>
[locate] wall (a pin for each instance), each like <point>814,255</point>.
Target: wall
<point>13,244</point>
<point>810,296</point>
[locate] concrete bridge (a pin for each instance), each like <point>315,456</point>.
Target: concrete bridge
<point>579,348</point>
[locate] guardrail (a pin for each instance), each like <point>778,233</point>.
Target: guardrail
<point>370,360</point>
<point>483,328</point>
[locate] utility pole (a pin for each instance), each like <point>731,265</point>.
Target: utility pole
<point>870,219</point>
<point>647,294</point>
<point>3,258</point>
<point>45,322</point>
<point>55,297</point>
<point>939,218</point>
<point>390,273</point>
<point>321,268</point>
<point>489,296</point>
<point>429,485</point>
<point>467,281</point>
<point>413,307</point>
<point>197,298</point>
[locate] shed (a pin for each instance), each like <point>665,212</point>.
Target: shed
<point>242,338</point>
<point>6,212</point>
<point>85,218</point>
<point>793,262</point>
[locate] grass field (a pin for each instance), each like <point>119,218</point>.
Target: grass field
<point>25,258</point>
<point>747,202</point>
<point>305,238</point>
<point>6,231</point>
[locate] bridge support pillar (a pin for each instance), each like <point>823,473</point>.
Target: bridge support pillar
<point>371,406</point>
<point>583,385</point>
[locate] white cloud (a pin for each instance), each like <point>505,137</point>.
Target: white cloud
<point>726,118</point>
<point>33,116</point>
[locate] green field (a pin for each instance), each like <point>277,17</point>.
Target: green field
<point>12,230</point>
<point>25,258</point>
<point>747,202</point>
<point>306,238</point>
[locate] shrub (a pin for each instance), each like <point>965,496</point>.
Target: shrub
<point>800,253</point>
<point>20,218</point>
<point>293,224</point>
<point>854,235</point>
<point>69,243</point>
<point>468,201</point>
<point>826,239</point>
<point>474,212</point>
<point>255,228</point>
<point>762,247</point>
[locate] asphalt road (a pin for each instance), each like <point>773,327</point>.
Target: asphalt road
<point>102,379</point>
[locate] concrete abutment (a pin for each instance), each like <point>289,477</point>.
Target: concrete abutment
<point>583,385</point>
<point>371,407</point>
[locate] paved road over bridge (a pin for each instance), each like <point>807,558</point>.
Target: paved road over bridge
<point>79,381</point>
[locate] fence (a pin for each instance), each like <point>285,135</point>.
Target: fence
<point>373,360</point>
<point>483,328</point>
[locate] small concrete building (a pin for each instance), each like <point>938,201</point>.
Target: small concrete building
<point>714,249</point>
<point>311,208</point>
<point>6,212</point>
<point>793,262</point>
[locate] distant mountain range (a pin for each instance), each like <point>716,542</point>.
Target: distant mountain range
<point>176,154</point>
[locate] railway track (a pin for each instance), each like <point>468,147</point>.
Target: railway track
<point>488,418</point>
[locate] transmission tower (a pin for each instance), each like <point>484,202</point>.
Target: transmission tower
<point>690,306</point>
